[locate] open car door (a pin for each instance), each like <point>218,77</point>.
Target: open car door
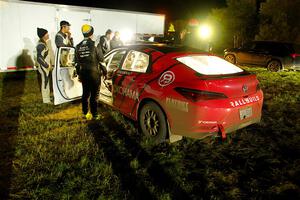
<point>66,86</point>
<point>113,61</point>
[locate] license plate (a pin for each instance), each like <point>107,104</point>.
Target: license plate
<point>245,113</point>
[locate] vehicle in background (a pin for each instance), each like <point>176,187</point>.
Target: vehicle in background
<point>275,56</point>
<point>171,91</point>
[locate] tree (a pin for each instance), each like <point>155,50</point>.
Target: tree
<point>279,21</point>
<point>237,22</point>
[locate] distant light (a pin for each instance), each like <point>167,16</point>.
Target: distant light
<point>126,35</point>
<point>151,39</point>
<point>205,31</point>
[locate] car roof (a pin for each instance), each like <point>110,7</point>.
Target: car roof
<point>163,48</point>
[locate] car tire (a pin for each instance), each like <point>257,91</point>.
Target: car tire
<point>230,58</point>
<point>274,66</point>
<point>153,123</point>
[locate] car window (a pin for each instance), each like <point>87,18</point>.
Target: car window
<point>260,47</point>
<point>67,57</point>
<point>136,61</point>
<point>209,65</point>
<point>248,45</point>
<point>114,60</point>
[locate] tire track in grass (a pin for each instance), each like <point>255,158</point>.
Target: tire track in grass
<point>160,178</point>
<point>120,163</point>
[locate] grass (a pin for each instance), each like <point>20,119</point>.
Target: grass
<point>50,152</point>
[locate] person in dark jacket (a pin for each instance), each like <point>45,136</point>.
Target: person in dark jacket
<point>116,41</point>
<point>104,43</point>
<point>89,69</point>
<point>43,63</point>
<point>63,37</point>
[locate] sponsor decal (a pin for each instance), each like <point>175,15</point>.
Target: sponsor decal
<point>180,105</point>
<point>207,122</point>
<point>124,72</point>
<point>244,101</point>
<point>245,88</point>
<point>126,92</point>
<point>166,78</point>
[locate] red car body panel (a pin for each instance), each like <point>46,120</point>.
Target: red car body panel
<point>185,117</point>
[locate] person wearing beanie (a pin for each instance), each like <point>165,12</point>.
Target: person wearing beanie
<point>104,43</point>
<point>43,63</point>
<point>89,69</point>
<point>63,37</point>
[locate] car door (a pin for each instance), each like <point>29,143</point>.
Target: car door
<point>128,80</point>
<point>243,53</point>
<point>66,85</point>
<point>260,54</point>
<point>112,62</point>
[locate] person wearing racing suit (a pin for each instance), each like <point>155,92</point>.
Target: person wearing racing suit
<point>43,63</point>
<point>89,69</point>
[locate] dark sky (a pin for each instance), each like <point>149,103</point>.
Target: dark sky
<point>173,9</point>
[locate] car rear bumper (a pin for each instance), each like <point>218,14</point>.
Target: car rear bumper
<point>206,120</point>
<point>218,132</point>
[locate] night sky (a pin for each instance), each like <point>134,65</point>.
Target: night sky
<point>173,9</point>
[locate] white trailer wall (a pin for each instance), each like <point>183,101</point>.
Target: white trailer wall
<point>19,22</point>
<point>76,19</point>
<point>153,24</point>
<point>18,36</point>
<point>114,20</point>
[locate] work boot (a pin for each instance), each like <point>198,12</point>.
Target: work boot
<point>88,116</point>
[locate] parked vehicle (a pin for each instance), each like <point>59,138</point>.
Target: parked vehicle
<point>171,91</point>
<point>275,56</point>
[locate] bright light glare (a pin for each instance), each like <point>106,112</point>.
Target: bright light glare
<point>126,35</point>
<point>204,31</point>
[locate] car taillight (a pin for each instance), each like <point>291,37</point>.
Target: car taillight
<point>294,55</point>
<point>199,95</point>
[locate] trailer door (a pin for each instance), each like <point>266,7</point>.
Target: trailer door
<point>66,85</point>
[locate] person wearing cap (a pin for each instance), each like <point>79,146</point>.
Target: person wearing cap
<point>43,63</point>
<point>104,43</point>
<point>63,37</point>
<point>89,69</point>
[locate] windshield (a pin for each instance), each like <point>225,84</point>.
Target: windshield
<point>209,65</point>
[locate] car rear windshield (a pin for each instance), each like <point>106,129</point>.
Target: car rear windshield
<point>209,65</point>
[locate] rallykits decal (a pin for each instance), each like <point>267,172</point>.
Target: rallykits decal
<point>166,78</point>
<point>244,101</point>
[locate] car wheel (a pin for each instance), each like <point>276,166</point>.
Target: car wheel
<point>274,66</point>
<point>153,122</point>
<point>230,58</point>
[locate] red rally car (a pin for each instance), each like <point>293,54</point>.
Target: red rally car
<point>171,91</point>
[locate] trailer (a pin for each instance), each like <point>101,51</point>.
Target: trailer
<point>19,21</point>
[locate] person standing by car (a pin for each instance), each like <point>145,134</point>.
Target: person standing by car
<point>116,41</point>
<point>104,44</point>
<point>63,37</point>
<point>43,63</point>
<point>87,59</point>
